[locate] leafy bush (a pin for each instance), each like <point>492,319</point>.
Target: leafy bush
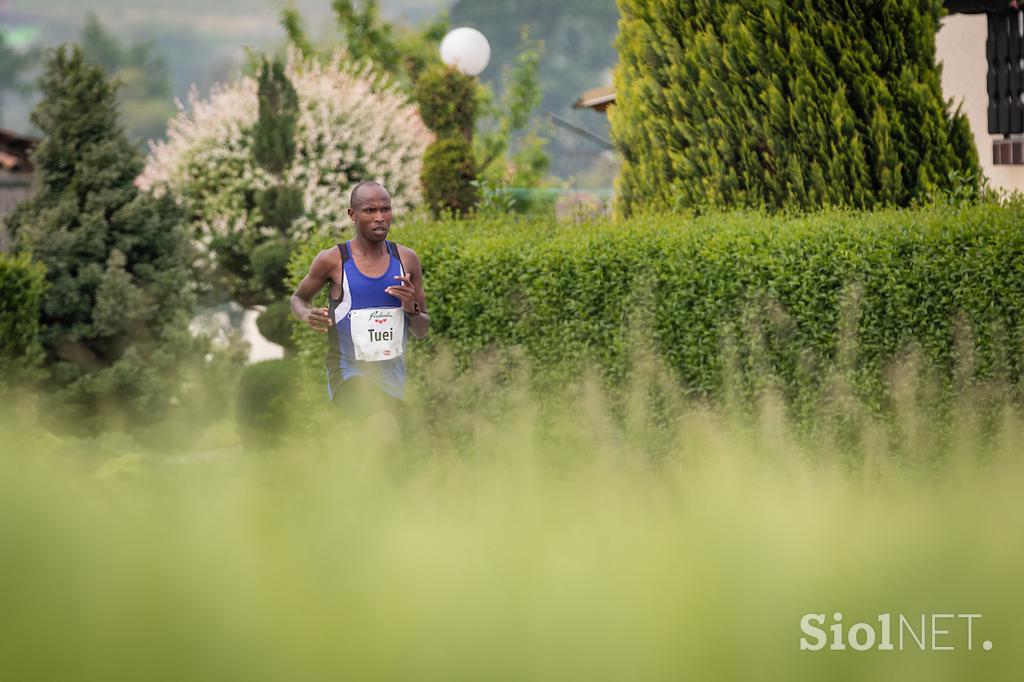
<point>276,324</point>
<point>447,100</point>
<point>269,262</point>
<point>265,396</point>
<point>278,206</point>
<point>773,104</point>
<point>448,103</point>
<point>21,290</point>
<point>449,177</point>
<point>738,295</point>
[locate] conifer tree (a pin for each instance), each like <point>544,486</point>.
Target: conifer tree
<point>116,310</point>
<point>764,103</point>
<point>279,205</point>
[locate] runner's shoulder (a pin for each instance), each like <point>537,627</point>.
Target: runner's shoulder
<point>326,260</point>
<point>329,255</point>
<point>407,254</point>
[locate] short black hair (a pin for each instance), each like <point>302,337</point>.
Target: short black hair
<point>364,183</point>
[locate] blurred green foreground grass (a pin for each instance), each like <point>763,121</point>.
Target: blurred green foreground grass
<point>583,537</point>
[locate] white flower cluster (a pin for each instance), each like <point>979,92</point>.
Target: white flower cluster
<point>352,126</point>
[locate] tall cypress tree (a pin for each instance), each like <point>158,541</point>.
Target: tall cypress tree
<point>116,310</point>
<point>279,205</point>
<point>765,103</point>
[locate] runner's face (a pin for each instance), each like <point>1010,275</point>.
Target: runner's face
<point>372,213</point>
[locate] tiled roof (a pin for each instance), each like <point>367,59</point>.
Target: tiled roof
<point>596,98</point>
<point>14,151</point>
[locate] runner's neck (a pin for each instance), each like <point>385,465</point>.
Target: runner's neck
<point>367,249</point>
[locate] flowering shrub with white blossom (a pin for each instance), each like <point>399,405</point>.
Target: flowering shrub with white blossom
<point>352,126</point>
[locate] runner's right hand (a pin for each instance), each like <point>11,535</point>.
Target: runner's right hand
<point>319,319</point>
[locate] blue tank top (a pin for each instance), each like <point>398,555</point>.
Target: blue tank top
<point>359,292</point>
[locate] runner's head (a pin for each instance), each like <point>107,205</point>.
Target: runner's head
<point>370,210</point>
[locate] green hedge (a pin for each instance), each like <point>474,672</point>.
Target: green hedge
<point>265,407</point>
<point>21,291</point>
<point>947,282</point>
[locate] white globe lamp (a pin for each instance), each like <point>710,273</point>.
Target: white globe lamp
<point>467,50</point>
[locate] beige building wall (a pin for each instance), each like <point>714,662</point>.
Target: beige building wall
<point>960,48</point>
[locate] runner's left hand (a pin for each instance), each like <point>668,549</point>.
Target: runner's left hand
<point>405,292</point>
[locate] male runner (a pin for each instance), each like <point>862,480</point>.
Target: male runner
<point>376,297</point>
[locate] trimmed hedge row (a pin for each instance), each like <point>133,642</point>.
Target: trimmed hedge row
<point>21,292</point>
<point>947,282</point>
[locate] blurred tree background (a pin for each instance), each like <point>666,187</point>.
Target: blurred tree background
<point>159,51</point>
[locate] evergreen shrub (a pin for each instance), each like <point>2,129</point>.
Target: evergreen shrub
<point>767,104</point>
<point>269,263</point>
<point>448,104</point>
<point>791,298</point>
<point>276,323</point>
<point>447,100</point>
<point>449,177</point>
<point>265,397</point>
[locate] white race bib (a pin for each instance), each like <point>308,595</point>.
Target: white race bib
<point>377,333</point>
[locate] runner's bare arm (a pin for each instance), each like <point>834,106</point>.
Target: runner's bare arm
<point>410,291</point>
<point>302,300</point>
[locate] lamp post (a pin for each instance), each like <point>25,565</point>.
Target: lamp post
<point>467,50</point>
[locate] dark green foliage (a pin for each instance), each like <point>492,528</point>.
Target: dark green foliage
<point>775,104</point>
<point>276,324</point>
<point>22,283</point>
<point>270,264</point>
<point>265,396</point>
<point>274,136</point>
<point>798,301</point>
<point>449,175</point>
<point>279,206</point>
<point>447,100</point>
<point>115,314</point>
